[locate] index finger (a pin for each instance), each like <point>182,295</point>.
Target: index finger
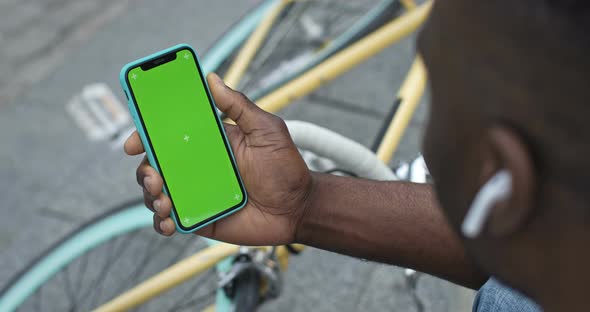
<point>133,145</point>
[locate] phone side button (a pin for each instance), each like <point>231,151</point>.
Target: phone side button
<point>133,115</point>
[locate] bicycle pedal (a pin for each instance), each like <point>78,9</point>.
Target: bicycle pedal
<point>98,112</point>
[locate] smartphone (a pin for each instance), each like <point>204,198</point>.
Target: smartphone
<point>183,136</point>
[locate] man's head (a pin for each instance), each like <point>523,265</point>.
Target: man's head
<point>509,84</point>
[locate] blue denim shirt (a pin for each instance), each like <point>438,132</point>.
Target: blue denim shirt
<point>495,297</point>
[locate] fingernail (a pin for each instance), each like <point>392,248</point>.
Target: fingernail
<point>163,226</point>
<point>146,182</point>
<point>157,205</point>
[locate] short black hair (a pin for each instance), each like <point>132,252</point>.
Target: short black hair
<point>575,12</point>
<point>554,114</point>
<point>572,6</point>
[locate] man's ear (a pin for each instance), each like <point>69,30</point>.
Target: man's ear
<point>510,216</point>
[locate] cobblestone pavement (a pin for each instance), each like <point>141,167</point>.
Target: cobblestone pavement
<point>52,179</point>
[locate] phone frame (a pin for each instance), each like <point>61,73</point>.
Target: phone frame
<point>152,158</point>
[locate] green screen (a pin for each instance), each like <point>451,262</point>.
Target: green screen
<point>186,139</point>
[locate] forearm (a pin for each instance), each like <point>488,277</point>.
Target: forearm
<point>392,222</point>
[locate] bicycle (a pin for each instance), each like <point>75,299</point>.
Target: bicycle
<point>248,275</point>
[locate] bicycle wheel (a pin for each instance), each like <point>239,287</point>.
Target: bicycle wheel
<point>247,288</point>
<point>304,34</point>
<point>104,258</point>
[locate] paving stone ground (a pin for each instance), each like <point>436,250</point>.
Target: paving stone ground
<point>52,179</point>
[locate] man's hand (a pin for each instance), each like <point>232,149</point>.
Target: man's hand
<point>276,177</point>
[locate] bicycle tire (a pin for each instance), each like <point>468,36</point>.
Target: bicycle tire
<point>376,16</point>
<point>247,291</point>
<point>100,275</point>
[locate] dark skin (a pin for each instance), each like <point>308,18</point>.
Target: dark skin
<point>479,123</point>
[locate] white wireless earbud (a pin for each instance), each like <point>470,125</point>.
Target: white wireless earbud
<point>498,188</point>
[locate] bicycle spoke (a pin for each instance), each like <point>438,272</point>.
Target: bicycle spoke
<point>286,52</point>
<point>121,255</point>
<point>114,250</point>
<point>81,268</point>
<point>139,269</point>
<point>97,283</point>
<point>180,252</point>
<point>68,288</point>
<point>284,29</point>
<point>38,300</point>
<point>84,292</point>
<point>193,289</point>
<point>193,301</point>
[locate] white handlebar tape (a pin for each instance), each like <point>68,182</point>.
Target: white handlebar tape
<point>346,153</point>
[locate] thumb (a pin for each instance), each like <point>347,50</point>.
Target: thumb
<point>237,106</point>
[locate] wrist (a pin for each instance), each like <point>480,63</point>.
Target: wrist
<point>308,209</point>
